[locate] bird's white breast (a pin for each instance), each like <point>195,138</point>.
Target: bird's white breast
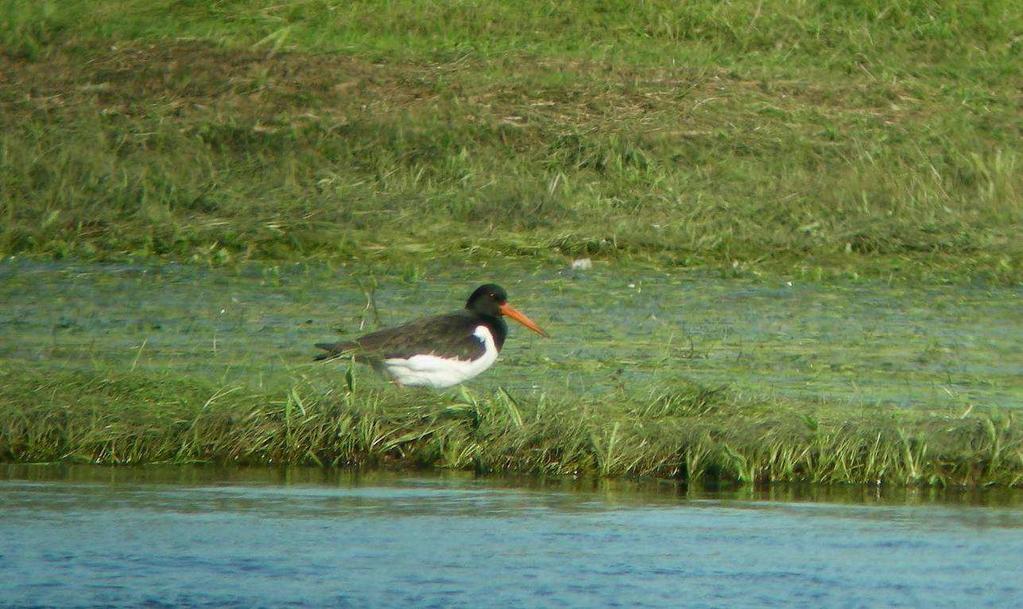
<point>440,372</point>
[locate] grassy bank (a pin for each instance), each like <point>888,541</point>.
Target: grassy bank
<point>856,139</point>
<point>861,139</point>
<point>669,375</point>
<point>682,431</point>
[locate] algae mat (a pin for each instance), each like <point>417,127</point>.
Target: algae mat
<point>859,343</point>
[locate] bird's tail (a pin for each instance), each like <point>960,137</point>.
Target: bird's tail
<point>334,350</point>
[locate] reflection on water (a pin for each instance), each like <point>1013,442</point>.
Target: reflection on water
<point>607,492</point>
<point>82,536</point>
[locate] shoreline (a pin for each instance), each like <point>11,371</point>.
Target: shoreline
<point>686,433</point>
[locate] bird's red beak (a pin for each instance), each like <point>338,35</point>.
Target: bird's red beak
<point>510,311</point>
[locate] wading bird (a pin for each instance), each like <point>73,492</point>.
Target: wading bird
<point>439,351</point>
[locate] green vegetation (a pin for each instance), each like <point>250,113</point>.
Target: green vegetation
<point>804,139</point>
<point>679,432</point>
<point>937,347</point>
<point>691,378</point>
<point>848,139</point>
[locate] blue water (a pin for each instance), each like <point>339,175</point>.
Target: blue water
<point>182,537</point>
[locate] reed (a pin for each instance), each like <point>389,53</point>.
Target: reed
<point>680,432</point>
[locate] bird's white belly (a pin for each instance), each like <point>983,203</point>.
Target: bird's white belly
<point>440,372</point>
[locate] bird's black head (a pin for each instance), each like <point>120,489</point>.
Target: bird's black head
<point>487,300</point>
<point>491,300</point>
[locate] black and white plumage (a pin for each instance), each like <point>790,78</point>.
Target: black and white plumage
<point>439,351</point>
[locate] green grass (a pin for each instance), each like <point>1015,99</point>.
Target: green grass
<point>850,139</point>
<point>682,431</point>
<point>807,139</point>
<point>676,376</point>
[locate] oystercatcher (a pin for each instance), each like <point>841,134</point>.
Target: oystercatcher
<point>439,351</point>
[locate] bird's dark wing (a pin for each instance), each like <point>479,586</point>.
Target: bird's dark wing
<point>448,335</point>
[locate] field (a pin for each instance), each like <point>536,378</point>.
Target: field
<point>732,147</point>
<point>849,139</point>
